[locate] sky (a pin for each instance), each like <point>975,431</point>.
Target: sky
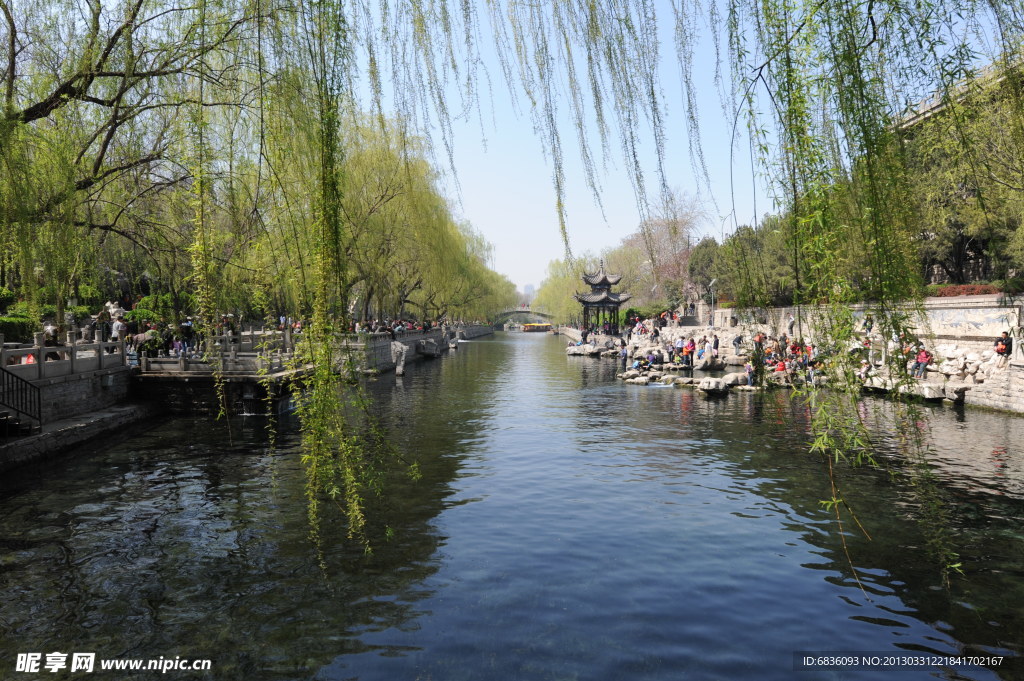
<point>505,187</point>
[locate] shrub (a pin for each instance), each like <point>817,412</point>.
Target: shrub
<point>1013,285</point>
<point>22,308</point>
<point>82,313</point>
<point>17,329</point>
<point>7,297</point>
<point>140,314</point>
<point>951,290</point>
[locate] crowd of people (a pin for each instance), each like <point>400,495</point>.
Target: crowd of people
<point>396,327</point>
<point>155,338</point>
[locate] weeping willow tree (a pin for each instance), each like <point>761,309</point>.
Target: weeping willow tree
<point>240,127</point>
<point>561,281</point>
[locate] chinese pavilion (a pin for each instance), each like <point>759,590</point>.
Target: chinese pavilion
<point>601,306</point>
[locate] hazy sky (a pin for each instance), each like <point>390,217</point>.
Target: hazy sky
<point>507,190</point>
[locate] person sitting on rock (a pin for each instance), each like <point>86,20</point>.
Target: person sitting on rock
<point>1004,348</point>
<point>921,363</point>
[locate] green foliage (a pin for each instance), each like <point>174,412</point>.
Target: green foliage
<point>563,280</point>
<point>141,314</point>
<point>703,263</point>
<point>90,295</point>
<point>24,308</point>
<point>82,313</point>
<point>163,305</point>
<point>17,329</point>
<point>1012,286</point>
<point>965,170</point>
<point>7,297</point>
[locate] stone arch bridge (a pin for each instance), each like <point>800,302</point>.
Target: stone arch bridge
<point>528,311</point>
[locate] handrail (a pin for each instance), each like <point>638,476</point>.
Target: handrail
<point>24,397</point>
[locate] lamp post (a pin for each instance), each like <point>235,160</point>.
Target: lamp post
<point>711,291</point>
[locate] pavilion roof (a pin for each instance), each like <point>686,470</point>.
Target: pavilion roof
<point>602,278</point>
<point>597,297</point>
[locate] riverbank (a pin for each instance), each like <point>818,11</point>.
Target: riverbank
<point>962,372</point>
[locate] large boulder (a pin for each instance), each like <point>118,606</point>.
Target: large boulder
<point>639,380</point>
<point>735,378</point>
<point>428,347</point>
<point>926,391</point>
<point>879,383</point>
<point>713,386</point>
<point>956,392</point>
<point>709,364</point>
<point>587,349</point>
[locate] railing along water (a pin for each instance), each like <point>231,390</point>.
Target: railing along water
<point>21,396</point>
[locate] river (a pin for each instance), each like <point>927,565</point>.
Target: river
<point>565,527</point>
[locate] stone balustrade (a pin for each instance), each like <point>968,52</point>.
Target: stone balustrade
<point>34,362</point>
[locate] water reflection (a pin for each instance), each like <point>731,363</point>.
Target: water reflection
<point>566,526</point>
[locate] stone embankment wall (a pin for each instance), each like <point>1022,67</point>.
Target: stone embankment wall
<point>960,331</point>
<point>570,333</point>
<point>474,331</point>
<point>972,322</point>
<point>65,397</point>
<point>374,352</point>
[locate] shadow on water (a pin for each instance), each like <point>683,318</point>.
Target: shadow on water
<point>565,526</point>
<point>189,540</point>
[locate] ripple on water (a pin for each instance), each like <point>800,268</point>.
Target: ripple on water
<point>565,526</point>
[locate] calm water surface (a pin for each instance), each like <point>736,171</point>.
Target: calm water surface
<point>566,526</point>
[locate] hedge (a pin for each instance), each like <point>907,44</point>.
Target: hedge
<point>950,290</point>
<point>18,329</point>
